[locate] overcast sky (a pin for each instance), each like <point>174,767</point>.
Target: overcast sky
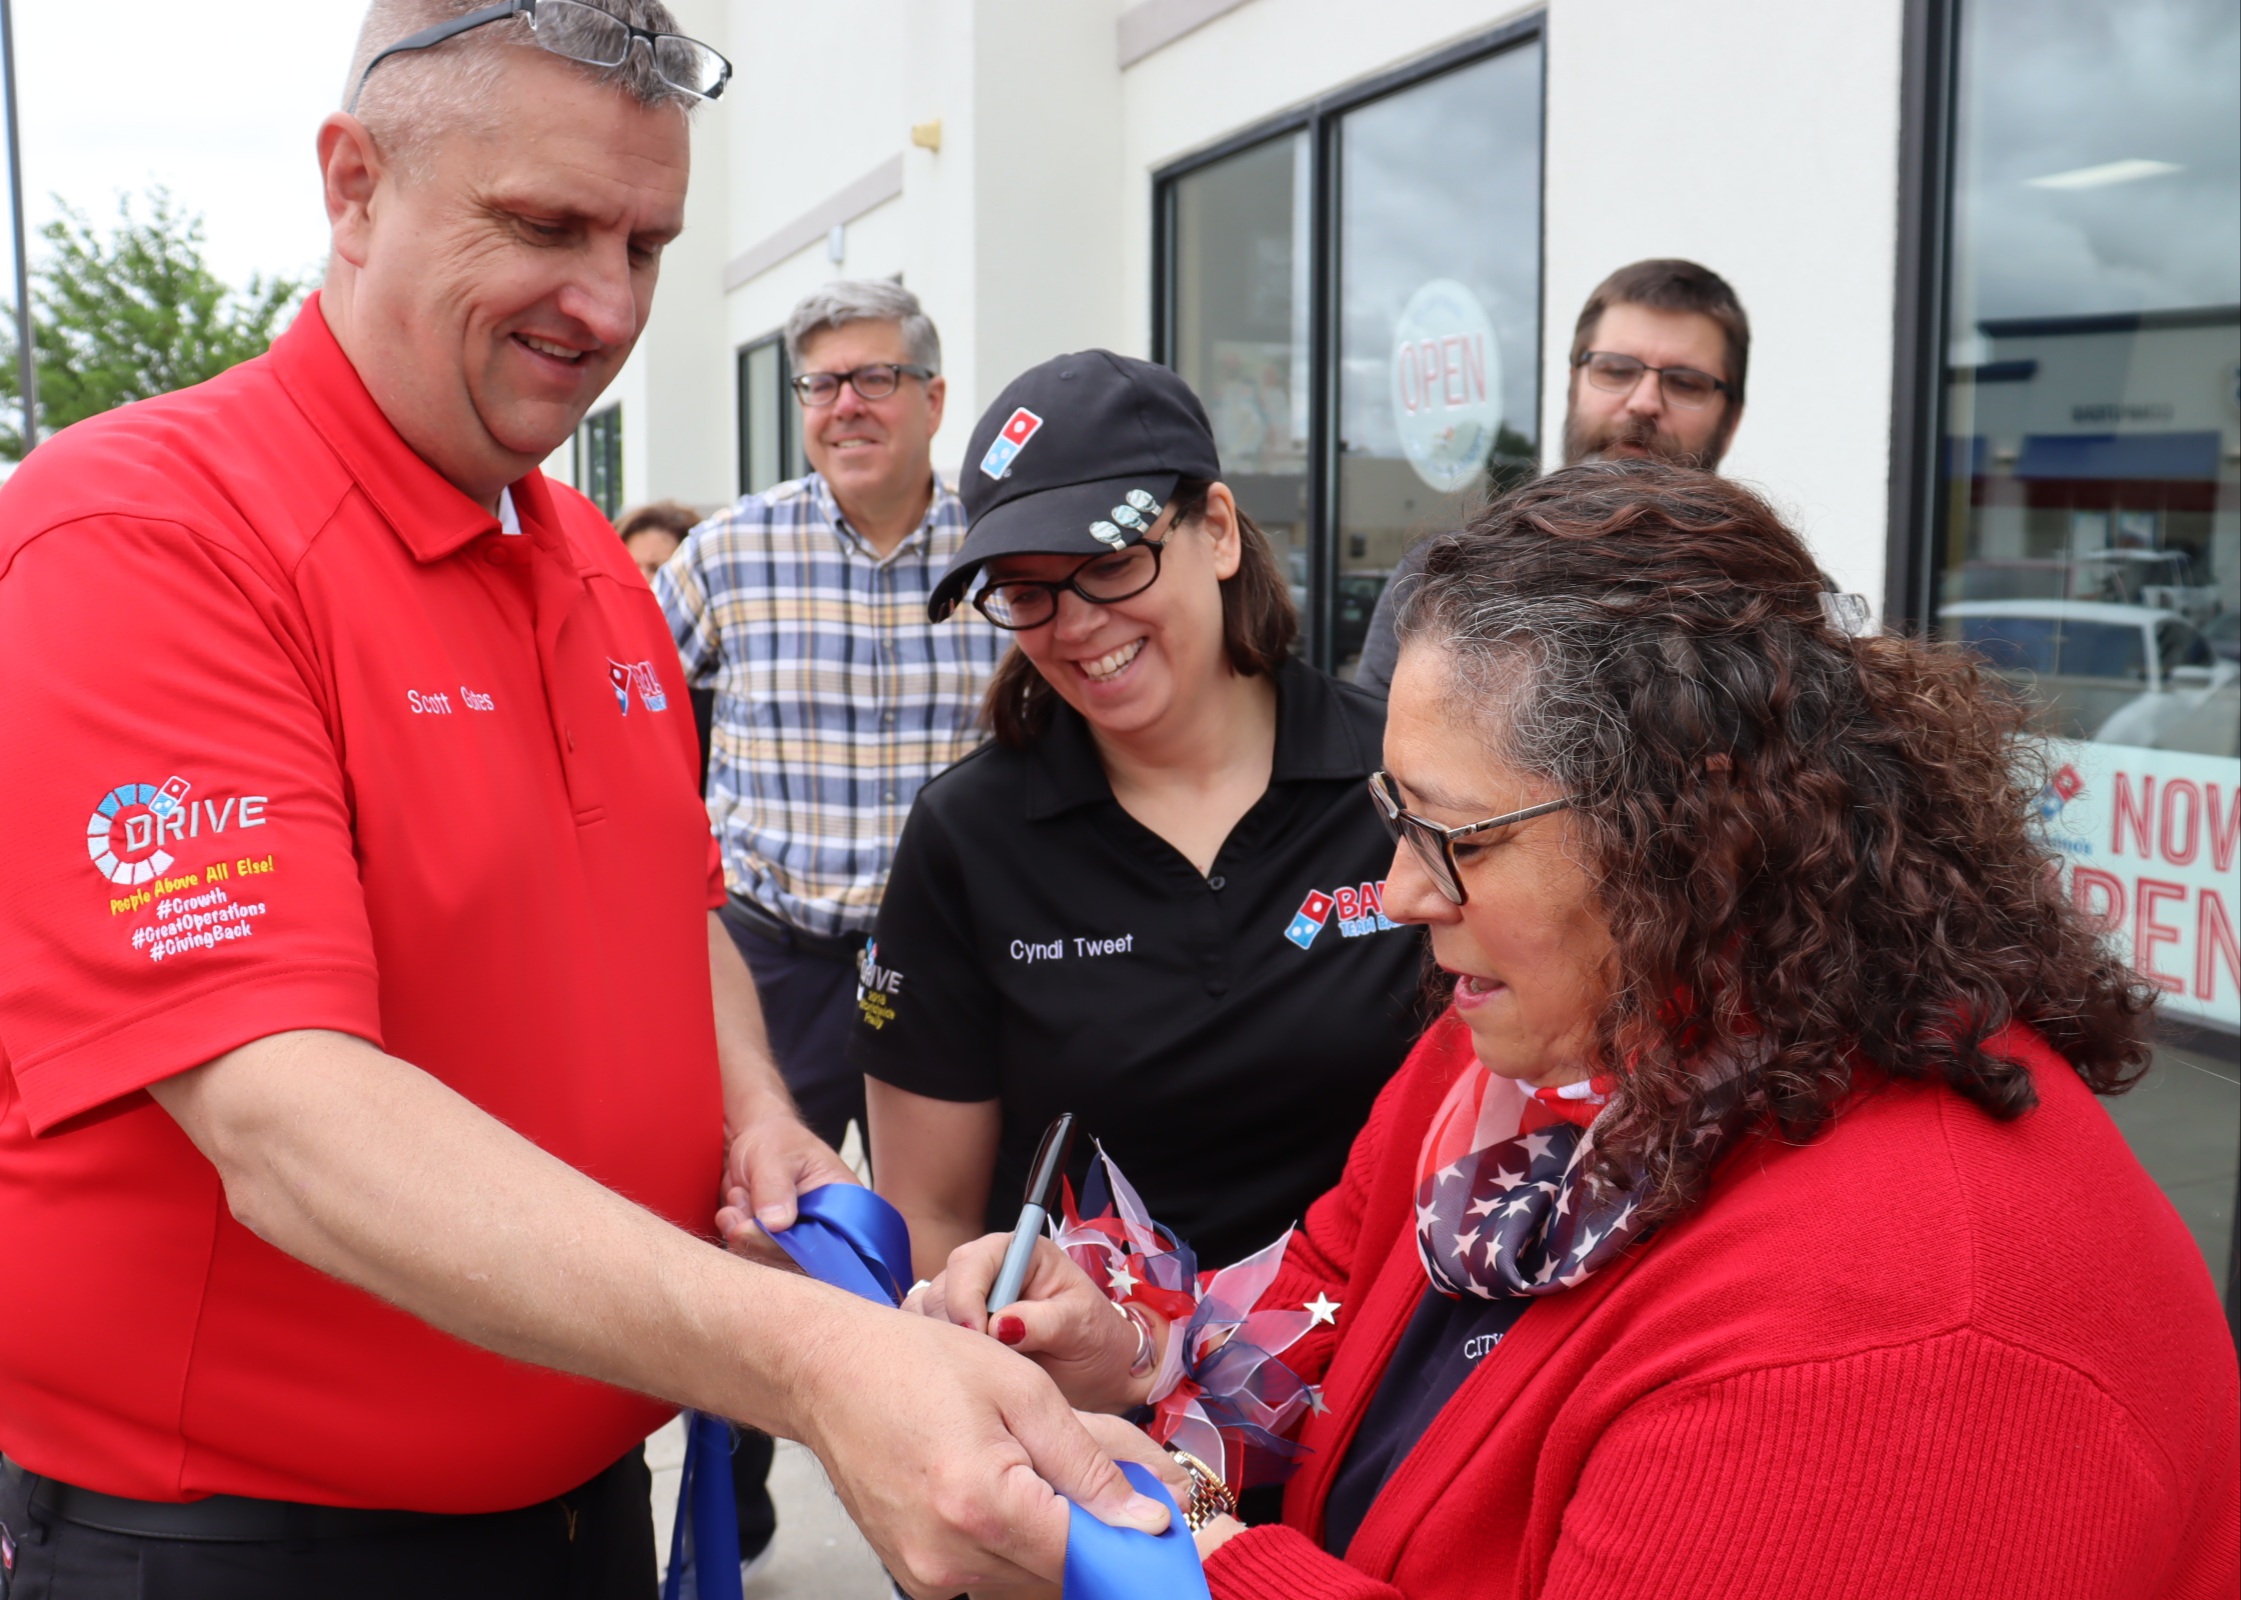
<point>218,104</point>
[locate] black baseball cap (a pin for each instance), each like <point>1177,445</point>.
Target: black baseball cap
<point>1077,456</point>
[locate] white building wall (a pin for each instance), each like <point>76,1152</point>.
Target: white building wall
<point>1757,136</point>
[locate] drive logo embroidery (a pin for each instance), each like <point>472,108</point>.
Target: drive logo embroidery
<point>128,830</point>
<point>1360,911</point>
<point>135,836</point>
<point>1009,441</point>
<point>876,988</point>
<point>628,675</point>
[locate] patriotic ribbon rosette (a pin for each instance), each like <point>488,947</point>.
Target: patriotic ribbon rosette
<point>1223,1392</point>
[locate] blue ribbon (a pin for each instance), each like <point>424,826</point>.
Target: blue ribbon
<point>852,1239</point>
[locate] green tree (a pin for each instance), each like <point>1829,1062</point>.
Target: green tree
<point>135,314</point>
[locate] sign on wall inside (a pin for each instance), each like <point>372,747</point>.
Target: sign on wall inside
<point>1447,384</point>
<point>2149,839</point>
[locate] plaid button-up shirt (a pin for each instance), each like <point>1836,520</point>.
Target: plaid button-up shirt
<point>835,698</point>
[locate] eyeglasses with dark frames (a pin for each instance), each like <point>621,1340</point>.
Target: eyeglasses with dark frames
<point>1434,842</point>
<point>1018,604</point>
<point>580,32</point>
<point>873,382</point>
<point>1684,387</point>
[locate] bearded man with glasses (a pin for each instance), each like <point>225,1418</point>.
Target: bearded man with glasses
<point>1659,356</point>
<point>371,1074</point>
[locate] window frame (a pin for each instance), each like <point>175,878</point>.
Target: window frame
<point>790,456</point>
<point>1929,105</point>
<point>1321,119</point>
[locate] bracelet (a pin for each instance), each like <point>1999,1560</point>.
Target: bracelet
<point>1210,1496</point>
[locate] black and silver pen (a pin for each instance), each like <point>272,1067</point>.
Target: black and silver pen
<point>1042,1184</point>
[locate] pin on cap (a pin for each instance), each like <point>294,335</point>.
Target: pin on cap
<point>1077,456</point>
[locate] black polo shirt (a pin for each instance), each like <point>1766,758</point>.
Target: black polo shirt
<point>1222,1035</point>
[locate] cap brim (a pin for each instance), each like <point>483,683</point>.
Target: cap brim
<point>1055,522</point>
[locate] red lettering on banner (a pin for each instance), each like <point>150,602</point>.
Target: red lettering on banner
<point>2140,813</point>
<point>2174,789</point>
<point>2085,882</point>
<point>2225,836</point>
<point>2214,937</point>
<point>2147,933</point>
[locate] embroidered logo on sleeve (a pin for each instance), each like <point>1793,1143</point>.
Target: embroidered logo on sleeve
<point>138,837</point>
<point>877,988</point>
<point>1010,439</point>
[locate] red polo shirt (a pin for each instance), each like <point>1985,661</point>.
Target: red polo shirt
<point>295,736</point>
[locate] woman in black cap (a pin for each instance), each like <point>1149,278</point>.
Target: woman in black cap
<point>1152,900</point>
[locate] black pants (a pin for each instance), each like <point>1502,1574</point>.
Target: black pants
<point>808,995</point>
<point>593,1543</point>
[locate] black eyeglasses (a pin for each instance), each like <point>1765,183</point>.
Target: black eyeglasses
<point>874,382</point>
<point>583,33</point>
<point>1018,604</point>
<point>1684,387</point>
<point>1433,842</point>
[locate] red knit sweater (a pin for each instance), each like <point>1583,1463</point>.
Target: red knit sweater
<point>1929,1354</point>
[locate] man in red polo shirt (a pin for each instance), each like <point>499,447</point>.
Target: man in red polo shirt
<point>362,1073</point>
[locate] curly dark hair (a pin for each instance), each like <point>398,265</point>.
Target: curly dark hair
<point>1813,850</point>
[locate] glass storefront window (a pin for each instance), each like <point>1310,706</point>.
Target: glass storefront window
<point>1355,294</point>
<point>1238,329</point>
<point>2089,494</point>
<point>599,468</point>
<point>769,419</point>
<point>1439,272</point>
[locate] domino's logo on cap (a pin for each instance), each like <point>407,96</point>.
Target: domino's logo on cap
<point>1010,439</point>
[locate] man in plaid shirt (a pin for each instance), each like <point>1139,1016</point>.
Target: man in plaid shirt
<point>804,607</point>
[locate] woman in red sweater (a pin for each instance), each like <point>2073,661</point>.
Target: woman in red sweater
<point>1747,1225</point>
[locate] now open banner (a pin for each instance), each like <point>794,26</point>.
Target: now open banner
<point>2150,840</point>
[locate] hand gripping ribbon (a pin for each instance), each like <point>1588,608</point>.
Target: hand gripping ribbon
<point>852,1239</point>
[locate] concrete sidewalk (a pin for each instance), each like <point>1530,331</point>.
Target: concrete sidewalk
<point>818,1554</point>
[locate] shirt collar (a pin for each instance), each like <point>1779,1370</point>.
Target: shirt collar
<point>430,514</point>
<point>920,538</point>
<point>1315,739</point>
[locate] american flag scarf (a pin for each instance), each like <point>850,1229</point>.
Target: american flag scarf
<point>1504,1202</point>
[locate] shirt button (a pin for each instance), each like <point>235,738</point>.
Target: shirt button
<point>887,717</point>
<point>888,796</point>
<point>1217,884</point>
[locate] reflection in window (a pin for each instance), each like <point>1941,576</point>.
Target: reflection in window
<point>2089,506</point>
<point>1238,335</point>
<point>1439,287</point>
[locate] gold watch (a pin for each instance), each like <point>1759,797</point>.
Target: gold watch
<point>1210,1496</point>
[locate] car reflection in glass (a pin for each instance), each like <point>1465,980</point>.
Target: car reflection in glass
<point>2121,674</point>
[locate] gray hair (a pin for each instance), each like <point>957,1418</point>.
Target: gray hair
<point>864,300</point>
<point>426,92</point>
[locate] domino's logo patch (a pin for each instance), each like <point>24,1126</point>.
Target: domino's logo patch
<point>1361,911</point>
<point>1010,439</point>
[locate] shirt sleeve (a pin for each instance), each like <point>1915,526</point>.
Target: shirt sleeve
<point>181,878</point>
<point>926,1012</point>
<point>682,588</point>
<point>1381,646</point>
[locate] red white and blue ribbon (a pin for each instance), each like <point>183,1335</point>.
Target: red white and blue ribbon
<point>854,1240</point>
<point>1223,1392</point>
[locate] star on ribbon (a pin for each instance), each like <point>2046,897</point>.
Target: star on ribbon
<point>1120,1280</point>
<point>1322,1309</point>
<point>1315,1402</point>
<point>1536,1145</point>
<point>1486,1207</point>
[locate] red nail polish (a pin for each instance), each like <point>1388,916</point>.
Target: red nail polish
<point>1010,1330</point>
